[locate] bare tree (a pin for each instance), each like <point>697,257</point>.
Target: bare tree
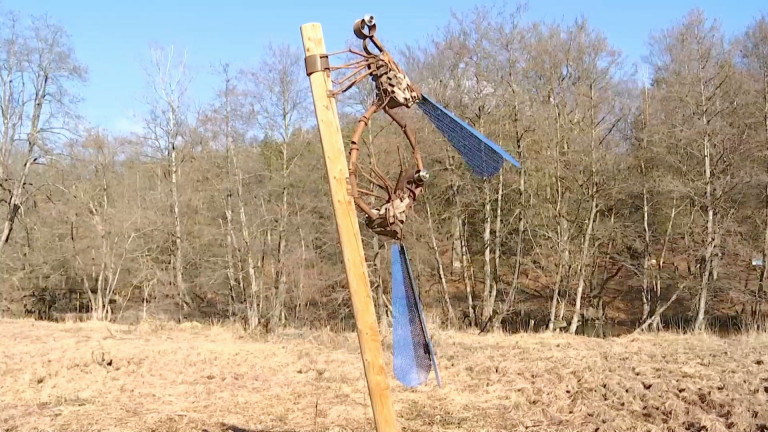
<point>235,174</point>
<point>37,65</point>
<point>165,125</point>
<point>551,51</point>
<point>279,98</point>
<point>693,68</point>
<point>755,55</point>
<point>510,44</point>
<point>469,49</point>
<point>93,194</point>
<point>597,67</point>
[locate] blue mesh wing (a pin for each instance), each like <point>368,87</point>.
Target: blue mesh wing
<point>483,156</point>
<point>412,349</point>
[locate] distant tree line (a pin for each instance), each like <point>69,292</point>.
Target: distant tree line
<point>643,196</point>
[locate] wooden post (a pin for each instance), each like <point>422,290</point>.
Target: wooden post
<point>349,235</point>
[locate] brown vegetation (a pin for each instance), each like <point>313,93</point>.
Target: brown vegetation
<point>191,377</point>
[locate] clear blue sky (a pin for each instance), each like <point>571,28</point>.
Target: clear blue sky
<point>113,37</point>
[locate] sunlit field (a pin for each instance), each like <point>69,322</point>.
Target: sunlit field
<point>164,377</point>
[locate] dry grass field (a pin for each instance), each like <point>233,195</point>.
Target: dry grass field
<point>163,377</point>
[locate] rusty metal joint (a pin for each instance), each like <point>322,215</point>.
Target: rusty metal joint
<point>316,63</point>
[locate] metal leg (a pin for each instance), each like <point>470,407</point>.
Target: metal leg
<point>351,84</point>
<point>354,148</point>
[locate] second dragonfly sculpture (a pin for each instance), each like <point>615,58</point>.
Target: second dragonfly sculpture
<point>413,354</point>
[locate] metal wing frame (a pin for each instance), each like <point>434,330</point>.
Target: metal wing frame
<point>392,199</point>
<point>413,353</point>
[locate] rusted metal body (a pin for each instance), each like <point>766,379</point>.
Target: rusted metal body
<point>393,90</point>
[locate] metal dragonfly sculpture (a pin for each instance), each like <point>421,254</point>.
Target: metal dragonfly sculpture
<point>413,354</point>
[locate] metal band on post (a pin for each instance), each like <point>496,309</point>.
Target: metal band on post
<point>316,63</point>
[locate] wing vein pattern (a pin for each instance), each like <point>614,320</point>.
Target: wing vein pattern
<point>413,354</point>
<point>484,157</point>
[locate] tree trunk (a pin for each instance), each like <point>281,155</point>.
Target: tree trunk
<point>16,200</point>
<point>230,234</point>
<point>440,271</point>
<point>585,247</point>
<point>178,260</point>
<point>646,211</point>
<point>555,297</point>
<point>231,279</point>
<point>302,263</point>
<point>456,248</point>
<point>519,247</point>
<point>468,283</point>
<point>646,251</point>
<point>487,274</point>
<point>101,223</point>
<point>521,211</point>
<point>654,320</point>
<point>563,230</point>
<point>279,309</point>
<point>656,324</point>
<point>710,245</point>
<point>497,246</point>
<point>254,310</point>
